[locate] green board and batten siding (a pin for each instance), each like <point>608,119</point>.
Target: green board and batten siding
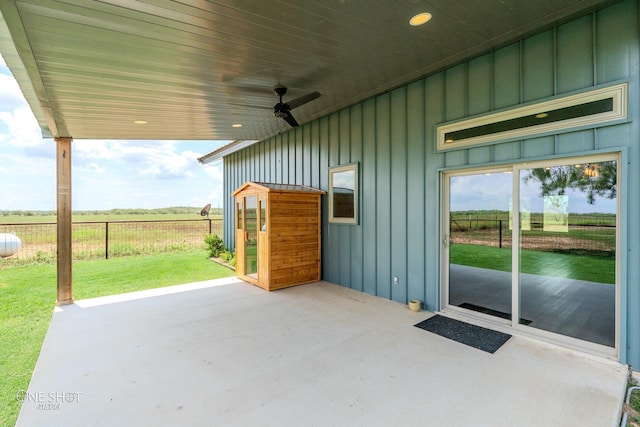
<point>392,137</point>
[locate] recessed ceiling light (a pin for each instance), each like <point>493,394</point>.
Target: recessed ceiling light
<point>236,125</point>
<point>541,115</point>
<point>140,122</point>
<point>420,19</point>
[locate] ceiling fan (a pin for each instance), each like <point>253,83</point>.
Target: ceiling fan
<point>283,110</point>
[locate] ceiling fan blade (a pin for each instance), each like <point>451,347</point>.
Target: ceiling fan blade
<point>303,100</point>
<point>289,119</point>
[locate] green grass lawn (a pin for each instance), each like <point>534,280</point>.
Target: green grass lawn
<point>28,294</point>
<point>633,410</point>
<point>579,267</point>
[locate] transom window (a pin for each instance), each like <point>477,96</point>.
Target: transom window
<point>598,106</point>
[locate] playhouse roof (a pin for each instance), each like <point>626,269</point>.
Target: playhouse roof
<point>282,188</point>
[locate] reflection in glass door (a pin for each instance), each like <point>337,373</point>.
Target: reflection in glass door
<point>567,258</point>
<point>479,242</point>
<point>251,236</point>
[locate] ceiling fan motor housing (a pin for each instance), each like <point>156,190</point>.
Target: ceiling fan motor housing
<point>283,110</point>
<point>280,110</point>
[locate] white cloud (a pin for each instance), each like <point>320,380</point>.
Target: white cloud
<point>19,166</point>
<point>216,193</point>
<point>89,168</point>
<point>96,167</point>
<point>476,192</point>
<point>216,196</point>
<point>214,171</point>
<point>89,149</point>
<point>21,128</point>
<point>11,97</point>
<point>159,159</point>
<point>17,122</point>
<point>166,163</point>
<point>27,182</point>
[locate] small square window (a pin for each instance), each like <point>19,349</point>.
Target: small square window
<point>343,194</point>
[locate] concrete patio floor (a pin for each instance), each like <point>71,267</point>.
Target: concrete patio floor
<point>226,353</point>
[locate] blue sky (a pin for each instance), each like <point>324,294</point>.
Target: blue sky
<point>106,174</point>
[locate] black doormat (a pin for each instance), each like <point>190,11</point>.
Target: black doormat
<point>492,312</point>
<point>474,336</point>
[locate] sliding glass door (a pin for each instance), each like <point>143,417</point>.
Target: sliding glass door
<point>556,276</point>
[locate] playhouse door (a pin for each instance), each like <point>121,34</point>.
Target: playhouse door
<point>251,236</point>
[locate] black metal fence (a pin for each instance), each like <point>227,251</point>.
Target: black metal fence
<point>106,239</point>
<point>584,234</point>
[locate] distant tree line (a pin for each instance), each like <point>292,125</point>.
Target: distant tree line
<point>26,213</point>
<point>119,211</point>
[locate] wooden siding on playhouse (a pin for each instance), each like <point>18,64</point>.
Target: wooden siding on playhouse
<point>294,240</point>
<point>392,135</point>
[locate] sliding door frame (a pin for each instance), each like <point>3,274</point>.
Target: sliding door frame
<point>513,326</point>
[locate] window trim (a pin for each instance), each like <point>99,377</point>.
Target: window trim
<point>353,167</point>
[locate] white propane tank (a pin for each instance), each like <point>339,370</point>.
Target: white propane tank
<point>10,244</point>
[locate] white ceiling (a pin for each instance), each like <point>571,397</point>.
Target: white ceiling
<point>192,68</point>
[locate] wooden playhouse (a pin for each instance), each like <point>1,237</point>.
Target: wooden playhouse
<point>277,234</point>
